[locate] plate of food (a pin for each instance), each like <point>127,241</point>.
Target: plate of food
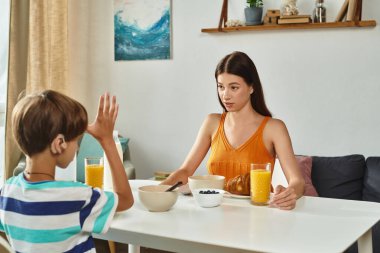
<point>238,187</point>
<point>235,196</point>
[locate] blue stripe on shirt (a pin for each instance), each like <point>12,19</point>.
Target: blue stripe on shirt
<point>41,235</point>
<point>83,247</point>
<point>40,208</point>
<point>85,212</point>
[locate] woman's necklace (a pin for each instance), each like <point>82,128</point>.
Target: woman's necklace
<point>39,173</point>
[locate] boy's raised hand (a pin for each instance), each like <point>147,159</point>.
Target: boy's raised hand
<point>104,123</point>
<point>102,130</point>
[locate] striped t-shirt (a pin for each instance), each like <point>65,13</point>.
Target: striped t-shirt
<point>54,216</point>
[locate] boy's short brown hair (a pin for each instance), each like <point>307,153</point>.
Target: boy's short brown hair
<point>38,118</point>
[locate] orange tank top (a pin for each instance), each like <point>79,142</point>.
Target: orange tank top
<point>229,162</point>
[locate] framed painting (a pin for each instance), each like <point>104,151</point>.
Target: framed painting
<point>142,29</point>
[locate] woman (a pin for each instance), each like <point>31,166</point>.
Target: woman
<point>245,132</point>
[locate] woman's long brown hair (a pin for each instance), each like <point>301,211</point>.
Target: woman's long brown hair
<point>239,64</point>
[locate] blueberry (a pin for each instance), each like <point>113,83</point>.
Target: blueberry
<point>208,192</point>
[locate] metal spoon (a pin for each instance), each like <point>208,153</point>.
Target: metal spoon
<point>174,186</point>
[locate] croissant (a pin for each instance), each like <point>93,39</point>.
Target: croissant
<point>239,185</point>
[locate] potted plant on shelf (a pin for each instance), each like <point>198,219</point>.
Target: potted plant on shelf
<point>254,12</point>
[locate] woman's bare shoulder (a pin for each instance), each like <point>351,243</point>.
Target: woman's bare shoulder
<point>212,122</point>
<point>214,117</point>
<point>275,125</point>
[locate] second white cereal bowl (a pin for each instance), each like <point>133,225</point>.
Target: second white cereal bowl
<point>206,197</point>
<point>206,181</point>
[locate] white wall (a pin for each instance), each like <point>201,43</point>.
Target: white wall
<point>323,83</point>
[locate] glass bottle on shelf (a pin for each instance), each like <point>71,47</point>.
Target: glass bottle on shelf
<point>319,13</point>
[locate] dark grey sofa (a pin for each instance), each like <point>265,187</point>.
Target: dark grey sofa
<point>349,177</point>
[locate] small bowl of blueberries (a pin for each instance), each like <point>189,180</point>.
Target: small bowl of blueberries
<point>208,197</point>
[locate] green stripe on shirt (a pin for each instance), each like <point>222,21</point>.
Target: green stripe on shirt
<point>41,235</point>
<point>20,181</point>
<point>102,218</point>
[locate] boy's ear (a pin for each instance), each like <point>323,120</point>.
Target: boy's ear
<point>58,145</point>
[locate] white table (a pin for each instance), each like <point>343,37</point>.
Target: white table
<point>315,225</point>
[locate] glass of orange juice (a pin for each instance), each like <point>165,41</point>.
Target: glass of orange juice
<point>260,183</point>
<point>94,171</point>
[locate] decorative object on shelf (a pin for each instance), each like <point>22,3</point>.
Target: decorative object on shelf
<point>351,9</point>
<point>294,19</point>
<point>342,12</point>
<point>271,17</point>
<point>352,5</point>
<point>142,29</point>
<point>234,23</point>
<point>354,10</point>
<point>254,12</point>
<point>358,23</point>
<point>289,7</point>
<point>223,15</point>
<point>319,12</point>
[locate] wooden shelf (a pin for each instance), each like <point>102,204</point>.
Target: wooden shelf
<point>364,23</point>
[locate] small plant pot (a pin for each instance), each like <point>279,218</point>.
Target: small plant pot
<point>253,15</point>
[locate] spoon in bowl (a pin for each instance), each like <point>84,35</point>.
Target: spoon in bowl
<point>174,186</point>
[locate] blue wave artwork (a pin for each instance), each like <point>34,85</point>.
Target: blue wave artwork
<point>142,29</point>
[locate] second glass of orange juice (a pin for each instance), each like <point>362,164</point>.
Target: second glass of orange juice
<point>94,171</point>
<point>260,183</point>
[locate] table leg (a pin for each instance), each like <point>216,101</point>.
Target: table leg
<point>365,242</point>
<point>111,245</point>
<point>133,248</point>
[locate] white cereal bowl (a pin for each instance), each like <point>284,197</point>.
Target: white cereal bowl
<point>155,199</point>
<point>206,181</point>
<point>208,199</point>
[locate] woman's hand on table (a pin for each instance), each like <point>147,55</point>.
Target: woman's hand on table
<point>284,198</point>
<point>176,176</point>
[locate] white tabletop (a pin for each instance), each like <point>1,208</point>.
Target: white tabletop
<point>315,225</point>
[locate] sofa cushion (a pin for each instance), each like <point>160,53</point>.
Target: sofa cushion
<point>371,190</point>
<point>339,177</point>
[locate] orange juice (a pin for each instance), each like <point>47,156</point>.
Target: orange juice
<point>260,186</point>
<point>94,172</point>
<point>94,175</point>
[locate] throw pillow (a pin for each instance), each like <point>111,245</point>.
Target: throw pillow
<point>305,165</point>
<point>339,177</point>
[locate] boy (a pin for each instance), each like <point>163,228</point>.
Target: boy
<point>39,214</point>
